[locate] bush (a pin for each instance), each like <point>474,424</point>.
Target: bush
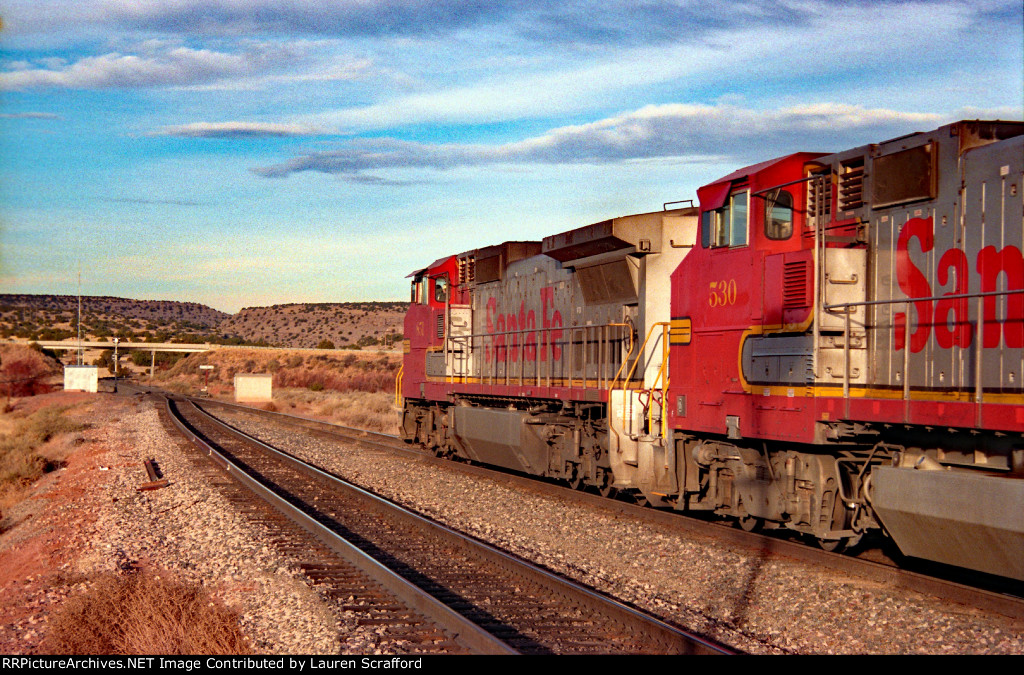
<point>21,463</point>
<point>144,613</point>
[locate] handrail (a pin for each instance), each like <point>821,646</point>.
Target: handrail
<point>399,400</point>
<point>663,378</point>
<point>845,308</point>
<point>896,301</point>
<point>542,340</point>
<point>664,334</point>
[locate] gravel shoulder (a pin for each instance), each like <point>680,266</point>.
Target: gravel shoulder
<point>90,517</point>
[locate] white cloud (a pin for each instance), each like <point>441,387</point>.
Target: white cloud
<point>30,116</point>
<point>744,56</point>
<point>235,130</point>
<point>177,66</point>
<point>685,132</point>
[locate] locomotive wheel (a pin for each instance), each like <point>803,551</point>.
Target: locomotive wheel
<point>576,481</point>
<point>834,545</point>
<point>604,487</point>
<point>750,523</point>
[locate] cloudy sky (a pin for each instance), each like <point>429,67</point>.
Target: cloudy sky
<point>251,152</point>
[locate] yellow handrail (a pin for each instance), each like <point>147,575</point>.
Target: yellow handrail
<point>661,374</point>
<point>399,401</point>
<point>663,378</point>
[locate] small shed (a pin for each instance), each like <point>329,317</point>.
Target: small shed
<point>81,378</point>
<point>254,388</point>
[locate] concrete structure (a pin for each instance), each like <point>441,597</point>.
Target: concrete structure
<point>81,378</point>
<point>254,388</point>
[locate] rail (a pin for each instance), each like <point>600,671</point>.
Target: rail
<point>845,308</point>
<point>399,400</point>
<point>661,377</point>
<point>540,350</point>
<point>463,630</point>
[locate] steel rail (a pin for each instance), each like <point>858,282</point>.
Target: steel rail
<point>462,630</point>
<point>669,639</point>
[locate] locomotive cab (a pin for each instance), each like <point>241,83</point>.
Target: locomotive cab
<point>858,342</point>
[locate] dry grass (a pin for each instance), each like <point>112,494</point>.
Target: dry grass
<point>31,446</point>
<point>372,411</point>
<point>345,387</point>
<point>144,613</point>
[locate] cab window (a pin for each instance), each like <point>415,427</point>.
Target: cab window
<point>441,289</point>
<point>778,215</point>
<point>726,226</point>
<point>419,291</point>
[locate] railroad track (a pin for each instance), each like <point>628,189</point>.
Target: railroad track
<point>1007,602</point>
<point>446,590</point>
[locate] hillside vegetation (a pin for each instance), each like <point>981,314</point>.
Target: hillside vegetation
<point>307,325</point>
<point>331,325</point>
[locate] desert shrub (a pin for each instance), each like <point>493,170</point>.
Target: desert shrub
<point>20,460</point>
<point>144,613</point>
<point>330,379</point>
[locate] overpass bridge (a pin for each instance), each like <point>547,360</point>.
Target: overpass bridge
<point>122,346</point>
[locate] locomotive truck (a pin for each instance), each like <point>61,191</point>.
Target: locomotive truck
<point>829,343</point>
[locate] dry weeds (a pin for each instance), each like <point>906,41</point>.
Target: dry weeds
<point>354,388</point>
<point>144,613</point>
<point>32,445</point>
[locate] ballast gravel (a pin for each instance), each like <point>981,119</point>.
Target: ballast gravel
<point>761,605</point>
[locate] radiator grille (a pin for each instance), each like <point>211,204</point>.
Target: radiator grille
<point>851,184</point>
<point>819,198</point>
<point>794,284</point>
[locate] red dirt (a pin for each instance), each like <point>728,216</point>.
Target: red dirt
<point>46,532</point>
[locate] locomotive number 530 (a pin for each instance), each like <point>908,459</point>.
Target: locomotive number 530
<point>722,293</point>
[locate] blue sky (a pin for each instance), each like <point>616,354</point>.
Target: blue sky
<point>251,152</point>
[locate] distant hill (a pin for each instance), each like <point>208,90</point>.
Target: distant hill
<point>306,325</point>
<point>53,317</point>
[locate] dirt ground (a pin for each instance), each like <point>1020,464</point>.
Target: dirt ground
<point>41,536</point>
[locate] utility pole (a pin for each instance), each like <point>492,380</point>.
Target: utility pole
<point>116,340</point>
<point>79,312</point>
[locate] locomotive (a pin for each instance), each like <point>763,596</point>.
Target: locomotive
<point>828,343</point>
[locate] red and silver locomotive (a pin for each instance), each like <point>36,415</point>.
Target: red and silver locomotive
<point>831,344</point>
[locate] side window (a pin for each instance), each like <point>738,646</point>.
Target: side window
<point>778,215</point>
<point>705,229</point>
<point>726,226</point>
<point>441,289</point>
<point>738,222</point>
<point>419,288</point>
